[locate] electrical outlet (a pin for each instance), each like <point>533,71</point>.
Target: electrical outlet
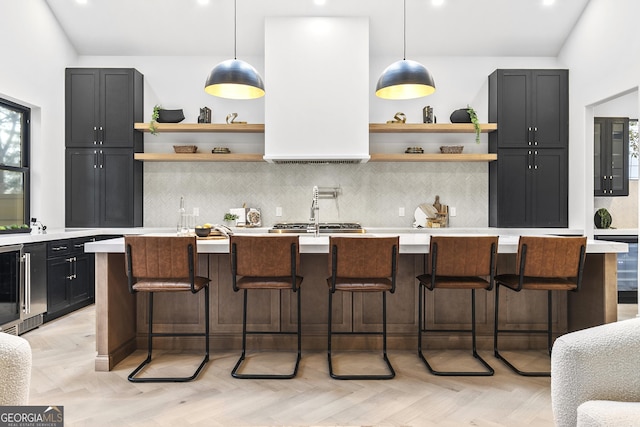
<point>196,211</point>
<point>278,211</point>
<point>401,211</point>
<point>452,211</point>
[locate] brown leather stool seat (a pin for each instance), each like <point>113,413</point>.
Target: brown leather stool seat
<point>543,264</point>
<point>266,262</point>
<point>165,264</point>
<point>466,263</point>
<point>362,264</point>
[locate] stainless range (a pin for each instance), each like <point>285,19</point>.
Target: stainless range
<point>325,227</point>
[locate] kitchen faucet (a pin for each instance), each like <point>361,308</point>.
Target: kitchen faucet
<point>314,216</point>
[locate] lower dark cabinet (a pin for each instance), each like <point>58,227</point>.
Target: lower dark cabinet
<point>528,188</point>
<point>70,277</point>
<point>103,188</point>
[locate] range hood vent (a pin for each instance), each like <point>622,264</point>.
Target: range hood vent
<point>317,162</point>
<point>317,101</point>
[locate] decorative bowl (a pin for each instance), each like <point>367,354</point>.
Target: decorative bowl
<point>203,231</point>
<point>170,116</point>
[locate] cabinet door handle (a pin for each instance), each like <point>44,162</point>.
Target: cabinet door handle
<point>95,159</point>
<point>529,160</point>
<point>101,158</point>
<point>101,134</point>
<point>535,159</point>
<point>95,135</point>
<point>59,248</point>
<point>70,261</point>
<point>529,136</point>
<point>26,307</point>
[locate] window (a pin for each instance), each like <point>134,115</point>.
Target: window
<point>14,163</point>
<point>633,149</point>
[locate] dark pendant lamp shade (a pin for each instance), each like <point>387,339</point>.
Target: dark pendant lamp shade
<point>405,79</point>
<point>234,79</point>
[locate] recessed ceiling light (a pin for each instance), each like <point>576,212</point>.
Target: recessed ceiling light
<point>320,2</point>
<point>437,2</point>
<point>81,1</point>
<point>548,2</point>
<point>203,2</point>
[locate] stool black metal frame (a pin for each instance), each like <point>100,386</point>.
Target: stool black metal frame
<point>132,376</point>
<point>422,322</point>
<point>245,332</point>
<point>548,331</point>
<point>332,290</point>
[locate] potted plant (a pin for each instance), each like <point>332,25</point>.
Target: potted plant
<point>228,217</point>
<point>476,124</point>
<point>154,119</point>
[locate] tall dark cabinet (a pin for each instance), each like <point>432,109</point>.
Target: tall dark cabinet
<point>103,181</point>
<point>611,156</point>
<point>528,184</point>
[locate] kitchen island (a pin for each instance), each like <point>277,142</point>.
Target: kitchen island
<point>121,321</point>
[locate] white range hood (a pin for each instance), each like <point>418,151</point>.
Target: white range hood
<point>317,90</point>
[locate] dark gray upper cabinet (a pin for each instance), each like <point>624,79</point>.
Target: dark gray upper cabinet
<point>531,108</point>
<point>101,107</point>
<point>528,184</point>
<point>611,156</point>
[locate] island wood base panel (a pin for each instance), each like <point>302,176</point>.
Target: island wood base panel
<point>122,317</point>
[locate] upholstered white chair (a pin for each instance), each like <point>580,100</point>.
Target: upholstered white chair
<point>15,370</point>
<point>595,376</point>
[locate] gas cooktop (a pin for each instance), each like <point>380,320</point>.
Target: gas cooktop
<point>325,227</point>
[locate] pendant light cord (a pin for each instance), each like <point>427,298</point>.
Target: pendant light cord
<point>235,28</point>
<point>404,30</point>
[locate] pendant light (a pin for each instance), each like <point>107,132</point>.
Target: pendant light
<point>233,78</point>
<point>405,79</point>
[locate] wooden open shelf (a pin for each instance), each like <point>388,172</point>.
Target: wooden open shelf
<point>202,127</point>
<point>198,157</point>
<point>430,127</point>
<point>432,157</point>
<point>259,128</point>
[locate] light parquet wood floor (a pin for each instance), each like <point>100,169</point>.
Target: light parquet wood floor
<point>63,374</point>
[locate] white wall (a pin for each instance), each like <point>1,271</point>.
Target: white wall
<point>602,56</point>
<point>34,54</point>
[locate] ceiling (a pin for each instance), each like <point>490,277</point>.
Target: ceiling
<point>187,27</point>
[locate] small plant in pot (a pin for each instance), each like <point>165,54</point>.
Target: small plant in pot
<point>154,120</point>
<point>229,217</point>
<point>467,115</point>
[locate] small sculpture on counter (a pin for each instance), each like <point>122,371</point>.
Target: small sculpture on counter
<point>398,118</point>
<point>205,115</point>
<point>231,119</point>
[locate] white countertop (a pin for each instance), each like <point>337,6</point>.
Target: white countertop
<point>410,242</point>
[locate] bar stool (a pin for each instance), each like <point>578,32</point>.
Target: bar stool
<point>265,262</point>
<point>362,264</point>
<point>543,264</point>
<point>466,263</point>
<point>165,264</point>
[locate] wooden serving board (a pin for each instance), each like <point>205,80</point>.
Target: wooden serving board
<point>216,237</point>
